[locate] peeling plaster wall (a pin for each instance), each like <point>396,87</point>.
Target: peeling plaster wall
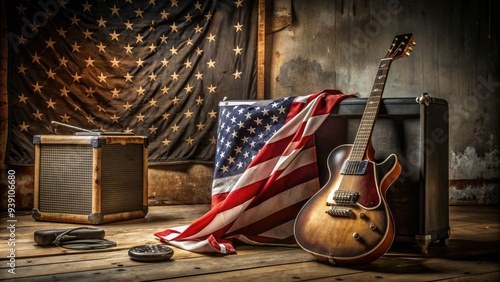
<point>474,177</point>
<point>338,44</point>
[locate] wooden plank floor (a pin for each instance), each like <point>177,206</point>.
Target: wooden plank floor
<point>473,254</point>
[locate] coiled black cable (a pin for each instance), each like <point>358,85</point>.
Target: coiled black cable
<point>64,240</point>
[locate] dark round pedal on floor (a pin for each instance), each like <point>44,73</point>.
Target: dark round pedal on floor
<point>157,252</point>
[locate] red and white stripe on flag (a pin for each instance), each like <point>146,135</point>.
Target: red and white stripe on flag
<point>261,203</point>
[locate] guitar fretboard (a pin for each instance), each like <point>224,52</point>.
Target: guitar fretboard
<point>371,111</point>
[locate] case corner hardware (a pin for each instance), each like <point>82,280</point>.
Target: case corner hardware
<point>37,139</point>
<point>425,98</point>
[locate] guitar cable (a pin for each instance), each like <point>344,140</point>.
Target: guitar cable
<point>65,240</point>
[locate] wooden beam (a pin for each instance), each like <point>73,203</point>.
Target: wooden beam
<point>261,44</point>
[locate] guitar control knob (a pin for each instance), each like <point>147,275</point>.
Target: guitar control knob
<point>362,215</point>
<point>373,226</point>
<point>356,236</point>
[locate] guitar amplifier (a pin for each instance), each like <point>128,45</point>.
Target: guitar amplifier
<point>91,179</point>
<point>416,130</point>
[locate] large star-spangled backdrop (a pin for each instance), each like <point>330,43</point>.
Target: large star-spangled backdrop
<point>153,68</point>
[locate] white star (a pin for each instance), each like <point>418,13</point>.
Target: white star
<point>101,47</point>
<point>211,37</point>
<point>64,91</point>
<point>140,62</point>
<point>237,74</point>
<point>237,51</point>
<point>211,64</point>
<point>174,27</point>
<point>86,6</point>
<point>128,77</point>
<point>102,78</point>
<point>238,3</point>
<point>76,47</point>
<point>138,13</point>
<point>138,38</point>
<point>50,43</point>
<point>115,10</point>
<point>102,22</point>
<point>238,27</point>
<point>22,69</point>
<point>129,25</point>
<point>128,49</point>
<point>114,35</point>
<point>115,62</point>
<point>152,48</point>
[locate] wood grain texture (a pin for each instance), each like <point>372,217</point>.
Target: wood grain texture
<point>472,255</point>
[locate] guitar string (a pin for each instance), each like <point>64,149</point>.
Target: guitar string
<point>350,169</point>
<point>353,167</point>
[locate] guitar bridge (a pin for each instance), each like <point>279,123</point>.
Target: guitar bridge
<point>339,211</point>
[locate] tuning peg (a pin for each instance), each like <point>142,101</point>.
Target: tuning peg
<point>410,49</point>
<point>413,43</point>
<point>407,53</point>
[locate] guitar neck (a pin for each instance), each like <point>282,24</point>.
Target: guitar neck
<point>371,111</point>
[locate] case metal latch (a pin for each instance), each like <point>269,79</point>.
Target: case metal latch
<point>425,98</point>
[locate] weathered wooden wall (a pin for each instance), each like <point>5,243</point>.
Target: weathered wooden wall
<point>338,44</point>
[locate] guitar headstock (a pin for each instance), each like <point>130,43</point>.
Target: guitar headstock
<point>401,46</point>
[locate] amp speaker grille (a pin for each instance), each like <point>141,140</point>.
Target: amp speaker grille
<point>122,178</point>
<point>66,179</point>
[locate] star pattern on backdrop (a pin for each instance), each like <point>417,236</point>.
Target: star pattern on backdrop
<point>152,68</point>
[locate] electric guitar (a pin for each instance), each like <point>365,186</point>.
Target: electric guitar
<point>348,222</point>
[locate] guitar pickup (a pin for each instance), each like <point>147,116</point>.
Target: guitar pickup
<point>343,198</point>
<point>354,167</point>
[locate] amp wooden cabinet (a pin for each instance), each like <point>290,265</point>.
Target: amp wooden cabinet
<point>90,179</point>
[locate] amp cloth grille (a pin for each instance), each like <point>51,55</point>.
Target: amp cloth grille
<point>121,178</point>
<point>66,179</point>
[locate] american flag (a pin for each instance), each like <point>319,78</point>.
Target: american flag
<point>265,171</point>
<point>153,68</point>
